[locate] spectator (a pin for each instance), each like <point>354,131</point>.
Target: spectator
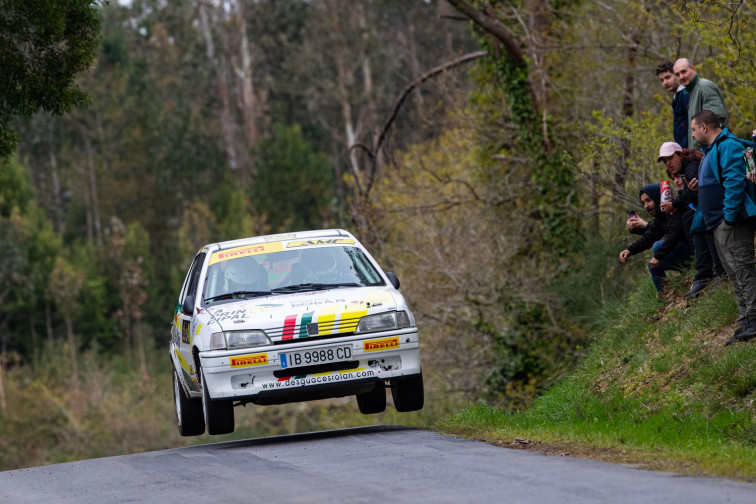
<point>752,175</point>
<point>683,163</point>
<point>726,203</point>
<point>704,95</point>
<point>668,79</point>
<point>664,236</point>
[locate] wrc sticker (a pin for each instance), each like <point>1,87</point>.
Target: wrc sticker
<point>327,241</point>
<point>380,344</point>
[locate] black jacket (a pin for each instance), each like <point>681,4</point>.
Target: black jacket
<point>666,226</point>
<point>686,197</point>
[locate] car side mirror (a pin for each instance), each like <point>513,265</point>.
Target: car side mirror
<point>188,307</point>
<point>393,279</point>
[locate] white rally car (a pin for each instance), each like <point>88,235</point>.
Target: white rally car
<point>287,318</point>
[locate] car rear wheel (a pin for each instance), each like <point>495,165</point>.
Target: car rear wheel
<point>191,421</point>
<point>219,415</point>
<point>373,401</point>
<point>408,393</point>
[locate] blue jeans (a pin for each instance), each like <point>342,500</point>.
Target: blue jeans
<point>675,260</point>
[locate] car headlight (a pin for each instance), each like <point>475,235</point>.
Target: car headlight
<point>238,339</point>
<point>385,321</point>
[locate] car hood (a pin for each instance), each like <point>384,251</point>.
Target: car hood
<point>303,314</point>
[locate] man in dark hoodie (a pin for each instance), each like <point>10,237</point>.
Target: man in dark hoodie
<point>665,236</point>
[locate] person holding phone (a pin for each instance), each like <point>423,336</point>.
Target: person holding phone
<point>635,224</point>
<point>665,237</point>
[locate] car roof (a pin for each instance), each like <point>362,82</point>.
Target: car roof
<point>299,235</point>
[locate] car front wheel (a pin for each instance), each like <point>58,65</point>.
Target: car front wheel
<point>408,393</point>
<point>373,401</point>
<point>219,415</point>
<point>191,421</point>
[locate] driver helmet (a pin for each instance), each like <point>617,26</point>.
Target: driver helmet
<point>244,275</point>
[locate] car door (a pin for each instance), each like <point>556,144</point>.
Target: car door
<point>183,324</point>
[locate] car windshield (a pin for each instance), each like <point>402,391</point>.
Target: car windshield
<point>256,271</point>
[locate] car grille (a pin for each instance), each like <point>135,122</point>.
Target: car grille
<point>316,368</point>
<point>296,328</point>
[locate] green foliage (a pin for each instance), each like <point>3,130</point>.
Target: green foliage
<point>294,186</point>
<point>554,196</point>
<point>15,187</point>
<point>43,47</point>
<point>230,207</point>
<point>657,387</point>
<point>30,248</point>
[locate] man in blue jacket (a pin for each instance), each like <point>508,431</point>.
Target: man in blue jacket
<point>726,203</point>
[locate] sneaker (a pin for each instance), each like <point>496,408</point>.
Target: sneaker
<point>743,333</point>
<point>696,289</point>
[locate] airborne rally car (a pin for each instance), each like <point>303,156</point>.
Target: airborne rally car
<point>288,318</point>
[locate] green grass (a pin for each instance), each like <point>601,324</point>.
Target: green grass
<point>657,388</point>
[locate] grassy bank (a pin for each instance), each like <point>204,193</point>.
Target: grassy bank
<point>657,389</point>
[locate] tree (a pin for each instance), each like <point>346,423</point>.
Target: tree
<point>43,47</point>
<point>294,183</point>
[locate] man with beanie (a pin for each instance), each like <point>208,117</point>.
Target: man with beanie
<point>726,206</point>
<point>664,235</point>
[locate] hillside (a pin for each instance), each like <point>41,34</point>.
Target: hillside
<point>658,388</point>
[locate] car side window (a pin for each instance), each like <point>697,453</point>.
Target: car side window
<point>194,276</point>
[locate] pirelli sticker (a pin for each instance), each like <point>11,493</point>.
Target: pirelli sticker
<point>378,345</point>
<point>247,250</point>
<point>249,360</point>
<point>328,241</point>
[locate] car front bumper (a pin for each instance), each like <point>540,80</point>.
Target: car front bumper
<point>269,375</point>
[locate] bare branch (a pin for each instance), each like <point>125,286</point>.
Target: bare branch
<point>412,85</point>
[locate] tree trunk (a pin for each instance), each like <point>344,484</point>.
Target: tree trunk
<point>249,105</point>
<point>3,405</point>
<point>57,200</point>
<point>343,84</point>
<point>34,337</point>
<point>628,109</point>
<point>225,110</point>
<point>73,351</point>
<point>139,340</point>
<point>48,323</point>
<point>93,213</point>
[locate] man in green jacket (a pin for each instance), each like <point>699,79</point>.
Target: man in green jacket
<point>703,95</point>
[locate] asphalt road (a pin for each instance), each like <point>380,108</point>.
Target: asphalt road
<point>374,464</point>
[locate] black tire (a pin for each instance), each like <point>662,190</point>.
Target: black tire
<point>191,421</point>
<point>373,401</point>
<point>408,393</point>
<point>219,415</point>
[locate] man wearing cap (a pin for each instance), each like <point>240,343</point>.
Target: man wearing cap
<point>726,205</point>
<point>685,162</point>
<point>664,236</point>
<point>704,95</point>
<point>666,74</point>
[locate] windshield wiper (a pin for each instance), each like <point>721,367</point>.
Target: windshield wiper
<point>238,294</point>
<point>315,286</point>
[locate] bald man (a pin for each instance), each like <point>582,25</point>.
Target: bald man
<point>703,95</point>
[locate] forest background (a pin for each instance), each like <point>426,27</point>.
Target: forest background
<point>485,151</point>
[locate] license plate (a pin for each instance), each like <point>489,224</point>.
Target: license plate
<point>316,356</point>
